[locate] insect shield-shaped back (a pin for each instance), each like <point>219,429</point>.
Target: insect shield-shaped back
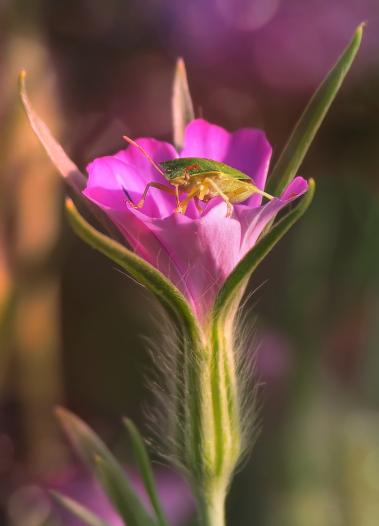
<point>193,166</point>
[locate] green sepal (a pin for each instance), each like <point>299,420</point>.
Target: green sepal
<point>130,511</point>
<point>237,280</point>
<point>145,470</point>
<point>226,391</point>
<point>95,454</point>
<point>144,273</point>
<point>71,174</point>
<point>307,126</point>
<point>180,311</point>
<point>78,510</point>
<point>182,106</point>
<point>69,171</point>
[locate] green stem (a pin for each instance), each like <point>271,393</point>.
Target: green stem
<point>212,508</point>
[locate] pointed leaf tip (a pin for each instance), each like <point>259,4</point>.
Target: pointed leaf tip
<point>121,495</point>
<point>358,33</point>
<point>63,415</point>
<point>69,203</point>
<point>311,119</point>
<point>182,106</point>
<point>145,469</point>
<point>180,64</point>
<point>99,459</point>
<point>22,76</point>
<point>69,171</point>
<point>78,510</point>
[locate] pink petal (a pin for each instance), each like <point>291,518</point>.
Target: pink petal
<point>106,176</point>
<point>204,251</point>
<point>202,139</point>
<point>296,188</point>
<point>131,170</point>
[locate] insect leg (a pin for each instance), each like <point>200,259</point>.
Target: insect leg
<point>147,187</point>
<point>182,206</point>
<point>265,194</point>
<point>203,190</point>
<point>198,205</point>
<point>177,195</point>
<point>229,205</point>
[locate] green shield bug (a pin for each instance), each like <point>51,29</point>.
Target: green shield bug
<point>201,179</point>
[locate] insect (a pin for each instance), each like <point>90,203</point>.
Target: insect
<point>200,179</point>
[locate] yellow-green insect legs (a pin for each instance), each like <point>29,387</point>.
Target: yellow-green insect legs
<point>141,202</point>
<point>265,194</point>
<point>251,189</point>
<point>239,191</point>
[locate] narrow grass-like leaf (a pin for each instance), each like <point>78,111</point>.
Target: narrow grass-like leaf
<point>78,510</point>
<point>182,107</point>
<point>139,269</point>
<point>90,448</point>
<point>306,128</point>
<point>253,258</point>
<point>145,469</point>
<point>54,150</point>
<point>119,495</point>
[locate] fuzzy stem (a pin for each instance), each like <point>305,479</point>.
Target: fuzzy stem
<point>219,423</point>
<point>212,508</point>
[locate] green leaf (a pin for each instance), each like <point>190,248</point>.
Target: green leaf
<point>139,269</point>
<point>182,107</point>
<point>54,150</point>
<point>306,128</point>
<point>65,166</point>
<point>177,306</point>
<point>78,510</point>
<point>145,469</point>
<point>238,278</point>
<point>225,388</point>
<point>111,475</point>
<point>115,489</point>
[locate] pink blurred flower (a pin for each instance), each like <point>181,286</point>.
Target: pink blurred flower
<point>195,251</point>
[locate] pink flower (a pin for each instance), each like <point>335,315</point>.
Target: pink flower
<point>195,251</point>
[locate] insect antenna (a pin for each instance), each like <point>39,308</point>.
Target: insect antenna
<point>144,152</point>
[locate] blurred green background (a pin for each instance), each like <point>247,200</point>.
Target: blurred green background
<point>72,327</point>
